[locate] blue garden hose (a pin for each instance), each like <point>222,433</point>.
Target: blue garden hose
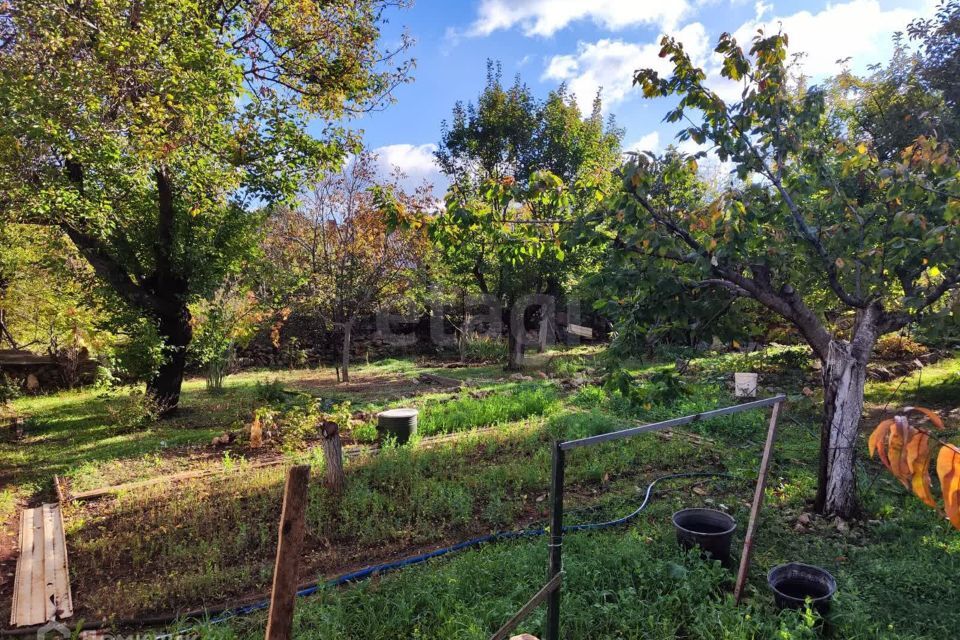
<point>386,567</point>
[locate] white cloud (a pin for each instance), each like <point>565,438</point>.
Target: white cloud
<point>859,29</point>
<point>416,161</point>
<point>609,64</point>
<point>546,17</point>
<point>649,142</point>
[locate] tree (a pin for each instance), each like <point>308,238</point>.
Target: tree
<point>350,262</point>
<point>221,323</point>
<point>843,243</point>
<point>143,130</point>
<point>939,39</point>
<point>517,166</point>
<point>652,302</point>
<point>63,315</point>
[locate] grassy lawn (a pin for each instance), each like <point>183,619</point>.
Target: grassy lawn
<point>206,542</point>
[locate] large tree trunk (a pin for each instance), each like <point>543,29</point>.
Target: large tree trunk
<point>164,387</point>
<point>844,377</point>
<point>516,336</point>
<point>160,296</point>
<point>515,349</point>
<point>345,350</point>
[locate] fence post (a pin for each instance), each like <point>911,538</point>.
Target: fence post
<point>556,541</point>
<point>280,623</point>
<point>757,502</point>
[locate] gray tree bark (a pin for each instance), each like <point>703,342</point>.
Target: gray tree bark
<point>844,377</point>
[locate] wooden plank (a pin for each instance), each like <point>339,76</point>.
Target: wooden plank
<point>580,330</point>
<point>23,579</point>
<point>61,589</point>
<point>59,489</point>
<point>757,503</point>
<point>28,608</point>
<point>42,584</point>
<point>49,565</point>
<point>37,608</point>
<point>441,380</point>
<point>292,526</point>
<point>528,608</point>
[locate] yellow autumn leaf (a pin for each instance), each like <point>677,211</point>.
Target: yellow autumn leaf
<point>906,452</point>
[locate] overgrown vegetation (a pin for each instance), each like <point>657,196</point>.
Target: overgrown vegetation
<point>408,498</point>
<point>180,191</point>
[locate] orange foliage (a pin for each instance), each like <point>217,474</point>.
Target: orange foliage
<point>905,450</point>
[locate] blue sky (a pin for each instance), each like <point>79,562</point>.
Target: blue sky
<point>591,44</point>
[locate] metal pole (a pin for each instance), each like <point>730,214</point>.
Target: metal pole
<point>555,566</point>
<point>757,502</point>
<point>675,422</point>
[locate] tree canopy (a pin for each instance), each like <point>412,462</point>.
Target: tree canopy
<point>824,221</point>
<point>522,170</point>
<point>145,130</point>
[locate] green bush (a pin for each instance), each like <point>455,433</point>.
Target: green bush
<point>9,390</point>
<point>663,387</point>
<point>484,349</point>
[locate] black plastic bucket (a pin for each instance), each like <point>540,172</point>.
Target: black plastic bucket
<point>399,423</point>
<point>793,583</point>
<point>708,529</point>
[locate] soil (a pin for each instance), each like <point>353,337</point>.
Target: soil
<point>9,531</point>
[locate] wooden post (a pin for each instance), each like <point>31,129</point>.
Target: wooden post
<point>280,623</point>
<point>555,566</point>
<point>333,455</point>
<point>757,502</point>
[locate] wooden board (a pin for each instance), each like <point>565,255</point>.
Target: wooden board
<point>580,330</point>
<point>41,590</point>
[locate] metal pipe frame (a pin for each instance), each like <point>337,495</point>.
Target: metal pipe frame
<point>555,566</point>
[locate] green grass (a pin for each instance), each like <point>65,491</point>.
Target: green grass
<point>936,385</point>
<point>91,438</point>
<point>81,432</point>
<point>509,404</point>
<point>635,587</point>
<point>206,542</point>
<point>402,498</point>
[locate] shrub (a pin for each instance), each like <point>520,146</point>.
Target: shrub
<point>894,346</point>
<point>663,387</point>
<point>484,349</point>
<point>567,367</point>
<point>227,320</point>
<point>271,392</point>
<point>364,432</point>
<point>9,390</point>
<point>131,411</point>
